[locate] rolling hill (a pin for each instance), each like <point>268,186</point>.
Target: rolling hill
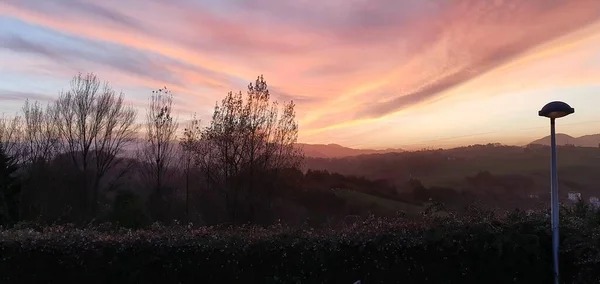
<point>564,139</point>
<point>578,166</point>
<point>338,151</point>
<point>310,150</point>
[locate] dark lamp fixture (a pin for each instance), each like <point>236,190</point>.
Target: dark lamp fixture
<point>556,110</point>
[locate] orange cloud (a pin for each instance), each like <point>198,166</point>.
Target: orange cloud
<point>345,64</point>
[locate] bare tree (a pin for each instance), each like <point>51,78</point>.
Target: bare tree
<point>159,150</point>
<point>250,143</point>
<point>11,134</point>
<point>94,125</point>
<point>39,139</point>
<point>189,145</point>
<point>40,132</point>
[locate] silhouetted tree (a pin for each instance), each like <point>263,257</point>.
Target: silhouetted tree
<point>38,147</point>
<point>9,189</point>
<point>159,150</point>
<point>40,132</point>
<point>11,135</point>
<point>190,147</point>
<point>94,125</point>
<point>249,144</point>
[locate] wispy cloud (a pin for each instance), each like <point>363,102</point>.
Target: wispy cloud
<point>341,61</point>
<point>137,65</point>
<point>108,15</point>
<point>470,55</point>
<point>9,95</point>
<point>77,51</point>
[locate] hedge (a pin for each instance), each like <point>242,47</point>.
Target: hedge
<point>374,251</point>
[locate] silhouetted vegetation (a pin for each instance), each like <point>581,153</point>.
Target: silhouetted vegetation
<point>513,248</point>
<point>91,196</point>
<point>9,189</point>
<point>85,158</point>
<point>81,156</point>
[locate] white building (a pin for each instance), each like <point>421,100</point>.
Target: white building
<point>574,196</point>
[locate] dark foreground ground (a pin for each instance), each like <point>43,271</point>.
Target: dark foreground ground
<point>478,249</point>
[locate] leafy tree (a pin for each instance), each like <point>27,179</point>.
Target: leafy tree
<point>248,145</point>
<point>9,189</point>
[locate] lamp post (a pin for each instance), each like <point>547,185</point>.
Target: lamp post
<point>554,110</point>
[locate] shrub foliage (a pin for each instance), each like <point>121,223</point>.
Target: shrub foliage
<point>511,249</point>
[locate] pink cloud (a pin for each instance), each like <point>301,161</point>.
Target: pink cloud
<point>340,60</point>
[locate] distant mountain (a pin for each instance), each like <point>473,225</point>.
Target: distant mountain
<point>310,150</point>
<point>564,139</point>
<point>338,151</point>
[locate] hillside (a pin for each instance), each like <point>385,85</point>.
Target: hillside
<point>338,151</point>
<point>310,150</point>
<point>577,167</point>
<point>564,139</point>
<point>376,203</point>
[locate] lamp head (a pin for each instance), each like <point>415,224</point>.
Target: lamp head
<point>556,109</point>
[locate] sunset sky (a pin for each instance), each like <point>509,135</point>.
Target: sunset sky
<point>363,73</point>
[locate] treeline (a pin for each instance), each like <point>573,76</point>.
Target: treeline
<point>86,156</point>
<point>502,192</point>
<point>402,166</point>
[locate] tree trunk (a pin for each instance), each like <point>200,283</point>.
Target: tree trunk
<point>187,194</point>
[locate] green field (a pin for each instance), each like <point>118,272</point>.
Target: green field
<point>386,205</point>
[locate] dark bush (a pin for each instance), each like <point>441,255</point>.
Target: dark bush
<point>9,189</point>
<point>376,250</point>
<point>128,210</point>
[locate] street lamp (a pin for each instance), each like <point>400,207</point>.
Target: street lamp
<point>554,110</point>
